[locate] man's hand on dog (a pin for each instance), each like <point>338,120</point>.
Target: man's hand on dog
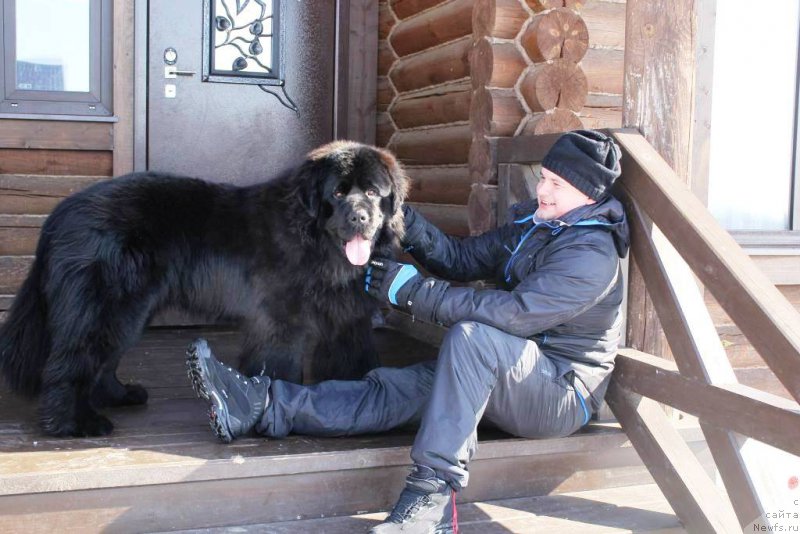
<point>392,282</point>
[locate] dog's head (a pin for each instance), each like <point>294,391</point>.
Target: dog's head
<point>354,193</point>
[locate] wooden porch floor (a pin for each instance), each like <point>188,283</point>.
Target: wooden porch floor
<point>162,469</point>
<point>639,509</point>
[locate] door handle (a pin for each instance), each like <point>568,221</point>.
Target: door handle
<point>171,71</point>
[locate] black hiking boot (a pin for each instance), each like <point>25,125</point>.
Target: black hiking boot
<point>427,505</point>
<point>236,403</point>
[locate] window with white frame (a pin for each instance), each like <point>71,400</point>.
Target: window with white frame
<point>753,170</point>
<point>56,57</point>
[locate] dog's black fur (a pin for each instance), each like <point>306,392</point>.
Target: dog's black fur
<point>271,256</point>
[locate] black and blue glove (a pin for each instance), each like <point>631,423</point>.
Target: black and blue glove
<point>391,281</point>
<point>401,284</point>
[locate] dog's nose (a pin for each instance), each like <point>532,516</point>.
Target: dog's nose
<point>359,216</point>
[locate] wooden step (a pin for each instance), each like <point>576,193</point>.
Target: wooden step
<point>639,509</point>
<point>173,476</point>
<point>162,469</point>
<point>36,194</point>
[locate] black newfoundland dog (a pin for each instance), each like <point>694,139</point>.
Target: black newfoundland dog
<point>284,258</point>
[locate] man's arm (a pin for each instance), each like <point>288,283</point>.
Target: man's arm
<point>572,280</point>
<point>454,258</point>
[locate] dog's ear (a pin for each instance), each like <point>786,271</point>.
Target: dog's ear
<point>400,185</point>
<point>321,165</point>
<point>399,178</point>
<point>309,181</point>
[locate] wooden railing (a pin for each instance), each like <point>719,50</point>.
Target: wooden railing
<point>673,240</point>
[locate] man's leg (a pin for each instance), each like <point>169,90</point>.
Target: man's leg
<point>481,368</point>
<point>384,399</point>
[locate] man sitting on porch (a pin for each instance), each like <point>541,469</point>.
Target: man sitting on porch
<point>532,357</point>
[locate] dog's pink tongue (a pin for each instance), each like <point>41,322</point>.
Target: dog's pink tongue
<point>358,250</point>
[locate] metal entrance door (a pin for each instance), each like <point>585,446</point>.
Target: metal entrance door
<point>216,106</point>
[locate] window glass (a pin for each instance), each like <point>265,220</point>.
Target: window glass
<point>243,37</point>
<point>53,45</point>
<point>753,114</point>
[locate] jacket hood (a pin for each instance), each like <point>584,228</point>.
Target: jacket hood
<point>608,214</point>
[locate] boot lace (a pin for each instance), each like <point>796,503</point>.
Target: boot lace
<point>408,507</point>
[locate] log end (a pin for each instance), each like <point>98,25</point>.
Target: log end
<point>482,208</point>
<point>557,121</point>
<point>559,83</point>
<point>560,33</point>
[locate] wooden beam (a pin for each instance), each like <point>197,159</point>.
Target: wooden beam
<point>606,24</point>
<point>482,208</point>
<point>386,19</point>
<point>450,219</point>
<point>449,105</point>
<point>742,409</point>
<point>659,71</point>
<point>406,8</point>
<point>559,82</point>
<point>384,129</point>
<point>452,20</point>
<point>438,145</point>
<point>357,80</point>
<point>433,66</point>
<point>524,149</point>
<point>604,70</point>
<point>556,121</point>
<point>659,75</point>
<point>495,64</point>
<point>19,234</point>
<point>762,313</point>
<point>495,112</point>
<point>679,474</point>
<point>56,162</point>
<point>35,194</point>
<point>439,184</point>
<point>515,183</point>
<point>498,18</point>
<point>123,82</point>
<point>58,135</point>
<point>482,160</point>
<point>386,57</point>
<point>677,299</point>
<point>698,352</point>
<point>13,271</point>
<point>558,33</point>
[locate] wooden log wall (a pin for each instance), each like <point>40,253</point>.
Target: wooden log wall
<point>453,74</point>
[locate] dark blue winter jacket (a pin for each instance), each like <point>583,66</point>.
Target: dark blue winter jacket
<point>559,283</point>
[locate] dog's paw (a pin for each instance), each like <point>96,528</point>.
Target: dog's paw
<point>90,424</point>
<point>93,425</point>
<point>124,395</point>
<point>134,395</point>
<point>60,429</point>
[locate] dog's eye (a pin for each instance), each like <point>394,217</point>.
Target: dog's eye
<point>372,192</point>
<point>338,193</point>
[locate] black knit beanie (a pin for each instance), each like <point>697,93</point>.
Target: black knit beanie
<point>587,159</point>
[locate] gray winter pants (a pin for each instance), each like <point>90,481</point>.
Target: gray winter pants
<point>480,372</point>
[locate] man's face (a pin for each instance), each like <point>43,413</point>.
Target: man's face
<point>557,196</point>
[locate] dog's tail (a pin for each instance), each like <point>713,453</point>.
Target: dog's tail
<point>24,338</point>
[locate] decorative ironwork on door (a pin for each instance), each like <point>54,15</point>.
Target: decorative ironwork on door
<point>242,44</point>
